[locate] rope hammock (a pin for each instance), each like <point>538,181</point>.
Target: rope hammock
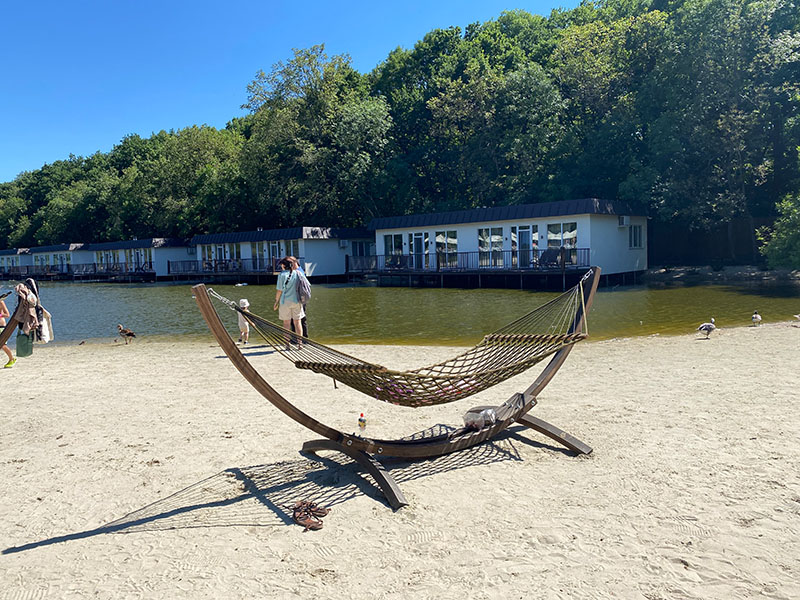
<point>505,353</point>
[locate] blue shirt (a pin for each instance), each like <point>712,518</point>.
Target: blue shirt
<point>287,283</point>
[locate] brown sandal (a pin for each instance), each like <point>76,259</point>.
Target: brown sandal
<point>311,507</point>
<point>317,510</point>
<point>303,517</point>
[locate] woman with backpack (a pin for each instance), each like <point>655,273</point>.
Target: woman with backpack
<point>304,302</point>
<point>287,301</point>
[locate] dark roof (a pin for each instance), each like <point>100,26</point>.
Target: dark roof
<point>291,233</point>
<point>56,248</point>
<point>131,244</point>
<point>592,206</point>
<point>13,251</point>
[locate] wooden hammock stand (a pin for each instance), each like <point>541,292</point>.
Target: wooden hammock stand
<point>364,450</point>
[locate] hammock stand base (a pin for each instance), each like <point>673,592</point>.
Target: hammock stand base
<point>388,485</point>
<point>365,450</point>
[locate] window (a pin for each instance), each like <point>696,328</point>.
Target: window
<point>490,247</point>
<point>107,257</point>
<point>447,248</point>
<point>562,234</point>
<point>393,244</point>
<point>258,256</point>
<point>635,236</point>
<point>140,258</point>
<point>359,248</point>
<point>393,249</point>
<point>569,235</point>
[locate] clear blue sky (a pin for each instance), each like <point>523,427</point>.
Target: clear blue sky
<point>76,77</point>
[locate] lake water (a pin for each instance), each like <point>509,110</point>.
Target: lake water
<point>372,315</point>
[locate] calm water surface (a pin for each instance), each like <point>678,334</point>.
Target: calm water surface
<point>372,315</point>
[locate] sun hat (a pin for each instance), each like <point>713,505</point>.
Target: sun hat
<point>243,303</point>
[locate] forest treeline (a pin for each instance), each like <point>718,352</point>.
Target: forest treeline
<point>688,110</point>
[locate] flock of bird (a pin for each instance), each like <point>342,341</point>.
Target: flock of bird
<point>707,328</point>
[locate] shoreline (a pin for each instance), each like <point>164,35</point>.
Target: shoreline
<point>154,470</point>
<point>208,338</point>
<point>727,274</point>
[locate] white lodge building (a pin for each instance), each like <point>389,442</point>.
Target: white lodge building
<point>322,251</point>
<point>523,237</point>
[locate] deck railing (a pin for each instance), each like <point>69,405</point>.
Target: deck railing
<point>22,271</point>
<point>232,265</point>
<point>525,260</point>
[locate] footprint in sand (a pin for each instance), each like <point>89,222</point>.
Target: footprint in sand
<point>34,594</point>
<point>325,551</point>
<point>423,537</point>
<point>688,525</point>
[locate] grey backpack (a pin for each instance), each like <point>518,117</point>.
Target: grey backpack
<point>303,288</point>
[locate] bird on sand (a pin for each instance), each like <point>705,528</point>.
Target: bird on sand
<point>707,328</point>
<point>756,319</point>
<point>125,334</point>
<point>797,317</point>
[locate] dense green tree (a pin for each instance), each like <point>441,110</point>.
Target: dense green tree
<point>13,215</point>
<point>781,244</point>
<point>689,109</point>
<point>318,142</point>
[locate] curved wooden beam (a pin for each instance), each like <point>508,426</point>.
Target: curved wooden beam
<point>556,434</point>
<point>13,320</point>
<point>589,290</point>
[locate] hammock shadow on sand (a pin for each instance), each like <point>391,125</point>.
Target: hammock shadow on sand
<point>263,495</point>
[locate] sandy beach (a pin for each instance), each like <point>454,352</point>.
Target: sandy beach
<point>154,470</point>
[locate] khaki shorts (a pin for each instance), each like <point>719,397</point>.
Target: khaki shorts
<point>290,310</point>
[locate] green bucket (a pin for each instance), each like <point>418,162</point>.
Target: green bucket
<point>24,344</point>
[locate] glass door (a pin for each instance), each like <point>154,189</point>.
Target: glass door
<point>524,243</point>
<point>274,255</point>
<point>418,245</point>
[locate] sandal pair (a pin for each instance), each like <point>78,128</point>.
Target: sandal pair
<point>309,514</point>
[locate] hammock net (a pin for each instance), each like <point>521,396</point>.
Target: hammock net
<point>505,353</point>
